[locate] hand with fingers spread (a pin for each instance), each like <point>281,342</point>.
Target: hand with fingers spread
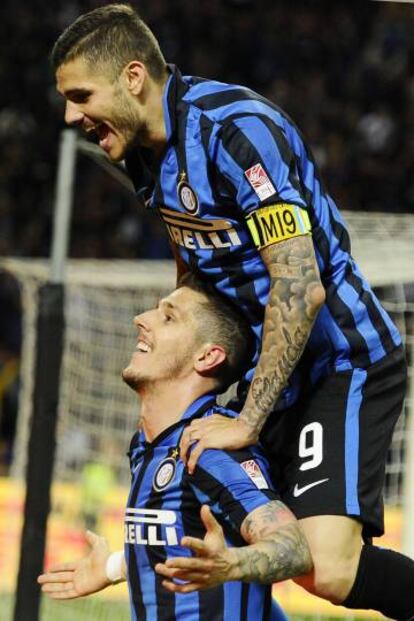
<point>215,432</point>
<point>276,550</point>
<point>79,578</point>
<point>210,567</point>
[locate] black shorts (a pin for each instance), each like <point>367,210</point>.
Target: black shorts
<point>328,452</point>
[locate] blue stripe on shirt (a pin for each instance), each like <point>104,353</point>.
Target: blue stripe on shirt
<point>352,440</point>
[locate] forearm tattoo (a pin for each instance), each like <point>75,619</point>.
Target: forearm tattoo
<point>278,549</point>
<point>295,297</point>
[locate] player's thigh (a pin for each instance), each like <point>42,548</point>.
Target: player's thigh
<point>329,452</point>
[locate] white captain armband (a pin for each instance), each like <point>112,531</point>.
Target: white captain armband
<point>275,223</point>
<point>114,566</point>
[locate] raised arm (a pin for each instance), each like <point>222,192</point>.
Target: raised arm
<point>276,550</point>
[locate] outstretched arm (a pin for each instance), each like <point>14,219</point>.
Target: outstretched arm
<point>277,551</point>
<point>295,297</point>
<point>83,577</point>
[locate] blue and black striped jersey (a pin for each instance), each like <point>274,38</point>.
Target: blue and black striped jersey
<point>164,505</point>
<point>236,176</point>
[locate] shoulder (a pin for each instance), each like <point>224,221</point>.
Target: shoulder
<point>247,467</point>
<point>220,102</point>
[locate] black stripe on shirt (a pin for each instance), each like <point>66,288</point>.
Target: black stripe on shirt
<point>373,312</point>
<point>267,607</point>
<point>211,602</point>
<point>225,98</point>
<point>340,233</point>
<point>244,608</point>
<point>230,506</point>
<point>158,554</point>
<point>181,128</point>
<point>217,181</point>
<point>245,154</point>
<point>133,573</point>
<point>286,152</point>
<point>345,320</point>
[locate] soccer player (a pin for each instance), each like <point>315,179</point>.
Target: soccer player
<point>245,208</point>
<point>189,348</point>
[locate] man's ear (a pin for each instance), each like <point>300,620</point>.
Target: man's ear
<point>135,73</point>
<point>208,358</point>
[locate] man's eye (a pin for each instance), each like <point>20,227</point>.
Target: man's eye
<point>80,99</point>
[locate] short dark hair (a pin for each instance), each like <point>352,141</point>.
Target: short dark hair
<point>111,35</point>
<point>221,322</point>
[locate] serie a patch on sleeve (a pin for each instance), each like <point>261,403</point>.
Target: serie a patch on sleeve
<point>252,469</point>
<point>275,223</point>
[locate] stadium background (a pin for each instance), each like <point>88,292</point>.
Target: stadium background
<point>343,70</point>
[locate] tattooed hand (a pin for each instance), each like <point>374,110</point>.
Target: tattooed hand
<point>277,551</point>
<point>295,297</point>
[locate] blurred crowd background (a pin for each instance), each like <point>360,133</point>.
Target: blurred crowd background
<point>343,70</point>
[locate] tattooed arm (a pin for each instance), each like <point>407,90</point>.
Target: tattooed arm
<point>277,551</point>
<point>295,297</point>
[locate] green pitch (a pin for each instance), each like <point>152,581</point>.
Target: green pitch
<point>95,609</point>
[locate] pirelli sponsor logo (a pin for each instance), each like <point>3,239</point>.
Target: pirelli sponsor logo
<point>198,234</point>
<point>276,223</point>
<point>150,527</point>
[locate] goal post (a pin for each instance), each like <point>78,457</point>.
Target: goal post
<point>46,373</point>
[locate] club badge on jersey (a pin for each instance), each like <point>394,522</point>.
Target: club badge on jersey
<point>164,474</point>
<point>187,196</point>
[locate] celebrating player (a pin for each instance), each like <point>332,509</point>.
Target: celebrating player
<point>245,208</point>
<point>188,348</point>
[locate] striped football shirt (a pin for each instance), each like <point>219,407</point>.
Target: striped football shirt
<point>164,505</point>
<point>237,176</point>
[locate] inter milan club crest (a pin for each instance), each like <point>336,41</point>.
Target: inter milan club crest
<point>164,474</point>
<point>187,196</point>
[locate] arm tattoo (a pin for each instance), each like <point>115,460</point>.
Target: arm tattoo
<point>278,549</point>
<point>295,297</point>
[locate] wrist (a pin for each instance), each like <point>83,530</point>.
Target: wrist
<point>114,567</point>
<point>234,564</point>
<point>251,432</point>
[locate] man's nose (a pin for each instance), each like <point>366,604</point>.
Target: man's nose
<point>141,321</point>
<point>73,116</point>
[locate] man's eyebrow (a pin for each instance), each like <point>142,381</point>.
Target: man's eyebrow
<point>170,306</point>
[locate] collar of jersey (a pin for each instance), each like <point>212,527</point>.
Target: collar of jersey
<point>174,91</point>
<point>195,410</point>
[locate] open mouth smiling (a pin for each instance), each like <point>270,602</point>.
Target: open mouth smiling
<point>143,347</point>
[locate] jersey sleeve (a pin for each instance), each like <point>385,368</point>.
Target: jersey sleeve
<point>255,157</point>
<point>233,484</point>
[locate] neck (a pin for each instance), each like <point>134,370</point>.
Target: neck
<point>163,405</point>
<point>154,135</point>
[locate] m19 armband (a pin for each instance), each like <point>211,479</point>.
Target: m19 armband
<point>276,223</point>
